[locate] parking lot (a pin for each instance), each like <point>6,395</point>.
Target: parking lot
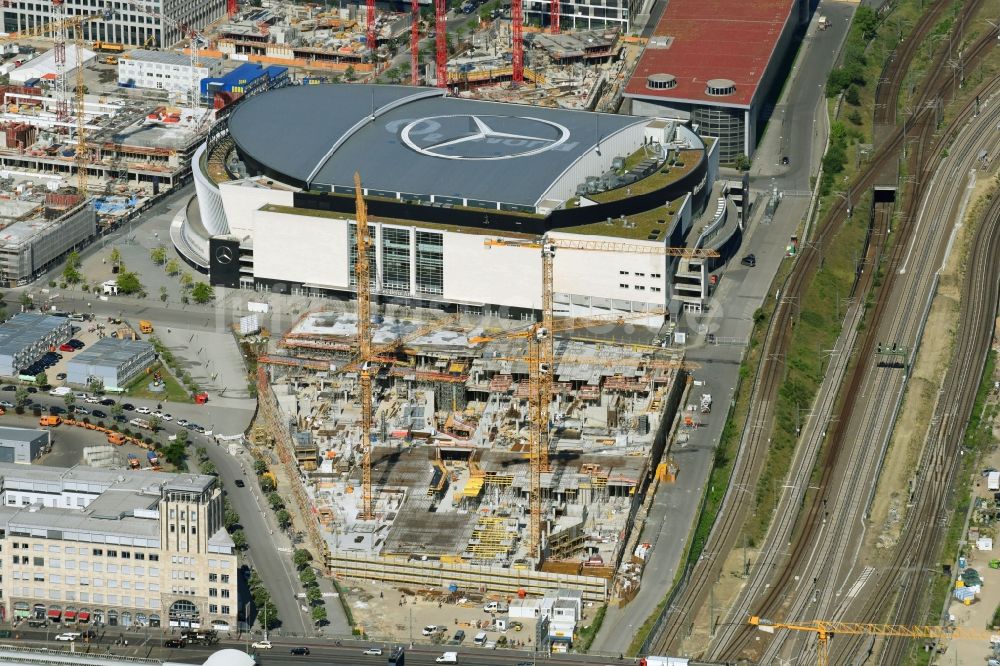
<point>87,333</point>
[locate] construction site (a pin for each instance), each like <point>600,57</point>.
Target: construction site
<point>464,454</point>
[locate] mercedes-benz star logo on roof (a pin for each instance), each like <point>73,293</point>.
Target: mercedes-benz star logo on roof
<point>471,137</point>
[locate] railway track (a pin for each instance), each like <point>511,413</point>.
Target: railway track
<point>940,459</point>
<point>845,506</point>
<point>690,593</point>
<point>891,79</point>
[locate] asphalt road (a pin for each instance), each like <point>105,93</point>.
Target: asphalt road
<point>327,653</point>
<point>273,564</point>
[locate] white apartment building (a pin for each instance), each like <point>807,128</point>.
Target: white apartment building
<point>121,548</point>
<point>584,14</point>
<point>132,24</point>
<point>164,70</point>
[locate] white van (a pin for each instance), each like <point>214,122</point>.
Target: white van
<point>60,390</point>
<point>480,639</point>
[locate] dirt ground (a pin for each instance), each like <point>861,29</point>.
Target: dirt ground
<point>387,614</point>
<point>724,594</point>
<point>978,615</point>
<point>918,403</point>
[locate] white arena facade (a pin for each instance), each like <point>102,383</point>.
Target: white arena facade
<point>442,176</point>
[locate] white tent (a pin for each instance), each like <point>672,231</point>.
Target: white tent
<point>46,64</point>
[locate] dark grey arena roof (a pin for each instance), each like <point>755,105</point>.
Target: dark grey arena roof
<point>415,141</point>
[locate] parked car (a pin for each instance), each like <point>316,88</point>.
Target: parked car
<point>784,160</point>
<point>81,396</point>
<point>166,417</point>
<point>108,402</point>
<point>93,400</point>
<point>68,636</point>
<point>143,410</point>
<point>241,484</point>
<point>99,414</point>
<point>429,630</point>
<point>7,404</point>
<point>182,422</point>
<point>61,376</point>
<point>66,347</point>
<point>262,645</point>
<point>76,344</point>
<point>128,407</point>
<point>750,260</point>
<point>81,410</point>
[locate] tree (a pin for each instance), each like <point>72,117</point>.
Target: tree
<point>70,400</point>
<point>267,484</point>
<point>116,256</point>
<point>232,519</point>
<point>319,614</point>
<point>742,162</point>
<point>308,577</point>
<point>186,280</point>
<point>274,499</point>
<point>853,96</point>
<point>26,301</point>
<point>163,294</point>
<point>393,74</point>
<point>301,558</point>
<point>97,386</point>
<point>128,283</point>
<point>181,438</point>
<point>208,467</point>
<point>117,410</point>
<point>71,272</point>
<point>284,519</point>
<point>239,540</point>
<point>855,117</point>
<point>21,396</point>
<point>41,379</point>
<point>349,74</point>
<point>866,21</point>
<point>202,293</point>
<point>313,595</point>
<point>155,422</point>
<point>175,454</point>
<point>158,255</point>
<point>259,467</point>
<point>173,267</point>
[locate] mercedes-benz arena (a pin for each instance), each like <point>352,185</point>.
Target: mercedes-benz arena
<point>441,176</point>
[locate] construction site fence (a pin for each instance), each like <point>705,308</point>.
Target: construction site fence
<point>436,573</point>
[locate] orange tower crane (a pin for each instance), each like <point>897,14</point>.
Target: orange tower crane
<point>414,42</point>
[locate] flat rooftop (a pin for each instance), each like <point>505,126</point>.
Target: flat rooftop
<point>25,328</point>
<point>697,41</point>
<point>169,58</point>
<point>111,351</point>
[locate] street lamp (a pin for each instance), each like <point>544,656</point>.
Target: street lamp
<point>847,199</point>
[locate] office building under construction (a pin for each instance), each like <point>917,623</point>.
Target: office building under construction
<point>450,468</point>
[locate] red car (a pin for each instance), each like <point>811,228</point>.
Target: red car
<point>66,347</point>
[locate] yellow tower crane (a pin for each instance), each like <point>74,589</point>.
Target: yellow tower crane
<point>545,344</point>
<point>362,270</point>
<point>826,629</point>
<point>74,23</point>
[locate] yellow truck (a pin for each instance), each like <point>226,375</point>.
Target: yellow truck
<point>49,421</point>
<point>145,326</point>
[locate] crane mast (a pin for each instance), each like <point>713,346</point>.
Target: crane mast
<point>362,270</point>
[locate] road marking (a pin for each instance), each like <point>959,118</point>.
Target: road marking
<point>284,550</point>
<point>860,583</point>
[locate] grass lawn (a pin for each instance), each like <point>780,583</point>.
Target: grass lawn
<point>175,392</point>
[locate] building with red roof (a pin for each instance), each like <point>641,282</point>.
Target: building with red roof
<point>714,63</point>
